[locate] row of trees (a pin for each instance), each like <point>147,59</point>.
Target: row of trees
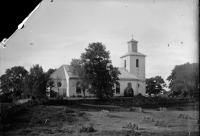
<point>94,68</point>
<point>97,75</point>
<point>183,81</point>
<point>17,81</point>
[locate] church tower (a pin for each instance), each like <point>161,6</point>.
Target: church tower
<point>134,62</point>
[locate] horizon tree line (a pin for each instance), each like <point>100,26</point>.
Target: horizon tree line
<point>97,76</point>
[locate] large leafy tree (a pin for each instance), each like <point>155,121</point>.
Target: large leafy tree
<point>12,80</point>
<point>50,82</point>
<point>184,79</point>
<point>155,85</point>
<point>100,73</point>
<point>77,69</point>
<point>34,82</point>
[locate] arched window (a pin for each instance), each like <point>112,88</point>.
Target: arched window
<point>137,63</point>
<point>124,63</point>
<point>78,87</point>
<point>129,85</point>
<point>117,88</point>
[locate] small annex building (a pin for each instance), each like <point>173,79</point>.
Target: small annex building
<point>132,76</point>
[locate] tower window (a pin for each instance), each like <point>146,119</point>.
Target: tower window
<point>124,63</point>
<point>137,63</point>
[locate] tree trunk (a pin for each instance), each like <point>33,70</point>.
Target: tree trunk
<point>84,94</point>
<point>192,92</point>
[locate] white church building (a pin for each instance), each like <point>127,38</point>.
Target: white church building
<point>132,74</point>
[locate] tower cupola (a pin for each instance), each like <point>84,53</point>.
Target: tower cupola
<point>132,45</point>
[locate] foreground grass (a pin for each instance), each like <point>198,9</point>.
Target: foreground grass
<point>43,120</point>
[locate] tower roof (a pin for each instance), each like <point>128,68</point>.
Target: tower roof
<point>132,40</point>
<point>133,54</point>
<point>126,75</point>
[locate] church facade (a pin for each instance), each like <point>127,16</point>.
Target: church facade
<point>132,77</point>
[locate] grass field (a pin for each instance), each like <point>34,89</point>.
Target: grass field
<point>45,120</point>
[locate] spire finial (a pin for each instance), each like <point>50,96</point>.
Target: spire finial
<point>132,36</point>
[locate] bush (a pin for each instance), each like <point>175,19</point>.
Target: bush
<point>67,110</point>
<point>184,116</point>
<point>6,97</point>
<point>80,113</point>
<point>133,126</point>
<point>139,95</point>
<point>135,109</point>
<point>43,101</point>
<point>148,119</point>
<point>161,123</point>
<point>162,109</point>
<point>36,102</point>
<point>29,103</point>
<point>86,128</point>
<point>16,99</point>
<point>179,108</point>
<point>58,96</point>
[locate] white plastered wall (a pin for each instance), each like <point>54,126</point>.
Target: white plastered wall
<point>60,76</point>
<point>61,90</point>
<point>138,71</point>
<point>142,88</point>
<point>67,82</point>
<point>127,58</point>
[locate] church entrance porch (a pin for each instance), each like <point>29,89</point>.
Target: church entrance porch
<point>129,92</point>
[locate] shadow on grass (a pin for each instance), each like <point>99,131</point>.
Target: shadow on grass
<point>92,108</point>
<point>40,116</point>
<point>114,116</point>
<point>147,112</point>
<point>15,121</point>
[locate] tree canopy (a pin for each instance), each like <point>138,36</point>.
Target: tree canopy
<point>37,82</point>
<point>155,85</point>
<point>184,79</point>
<point>77,68</point>
<point>17,81</point>
<point>12,80</point>
<point>33,80</point>
<point>96,71</point>
<point>50,82</point>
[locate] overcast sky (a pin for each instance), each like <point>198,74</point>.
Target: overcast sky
<point>62,29</point>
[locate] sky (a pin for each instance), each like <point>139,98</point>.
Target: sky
<point>58,31</point>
